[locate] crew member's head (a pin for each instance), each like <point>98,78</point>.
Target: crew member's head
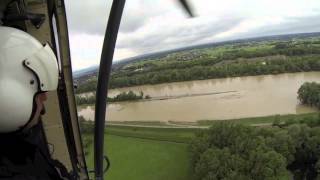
<point>28,70</point>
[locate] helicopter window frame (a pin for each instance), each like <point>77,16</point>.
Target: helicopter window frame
<point>56,41</point>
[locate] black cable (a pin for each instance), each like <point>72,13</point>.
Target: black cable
<point>108,164</point>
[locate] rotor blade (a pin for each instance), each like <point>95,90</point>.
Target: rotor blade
<point>187,7</point>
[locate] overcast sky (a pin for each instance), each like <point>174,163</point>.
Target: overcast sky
<point>156,25</point>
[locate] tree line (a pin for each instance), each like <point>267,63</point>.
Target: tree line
<point>309,94</point>
<point>123,96</point>
<point>232,151</point>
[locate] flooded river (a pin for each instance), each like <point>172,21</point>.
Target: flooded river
<point>226,98</point>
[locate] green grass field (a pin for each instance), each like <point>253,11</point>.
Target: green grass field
<point>137,159</point>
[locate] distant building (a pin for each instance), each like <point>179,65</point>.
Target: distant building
<point>138,70</point>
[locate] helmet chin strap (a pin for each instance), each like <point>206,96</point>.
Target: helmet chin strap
<point>35,118</point>
<point>43,111</point>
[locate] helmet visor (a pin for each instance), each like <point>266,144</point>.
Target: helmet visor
<point>44,64</point>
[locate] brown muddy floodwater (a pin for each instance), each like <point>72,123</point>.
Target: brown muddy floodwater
<point>213,99</point>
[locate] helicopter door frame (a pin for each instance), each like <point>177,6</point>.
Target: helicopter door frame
<point>68,108</point>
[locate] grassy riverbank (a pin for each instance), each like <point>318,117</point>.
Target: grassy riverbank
<point>137,158</point>
<point>251,121</point>
<point>268,120</point>
<point>162,153</point>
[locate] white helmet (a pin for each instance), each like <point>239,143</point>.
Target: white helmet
<point>26,68</point>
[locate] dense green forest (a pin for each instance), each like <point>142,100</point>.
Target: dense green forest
<point>233,151</point>
<point>309,94</point>
<point>296,64</point>
<point>124,96</point>
<point>268,57</point>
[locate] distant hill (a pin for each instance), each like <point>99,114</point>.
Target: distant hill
<point>82,72</point>
<point>94,69</point>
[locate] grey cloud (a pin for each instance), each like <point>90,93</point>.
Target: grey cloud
<point>191,35</point>
<point>131,23</point>
<point>177,36</point>
<point>90,17</point>
<point>292,25</point>
<point>85,16</point>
